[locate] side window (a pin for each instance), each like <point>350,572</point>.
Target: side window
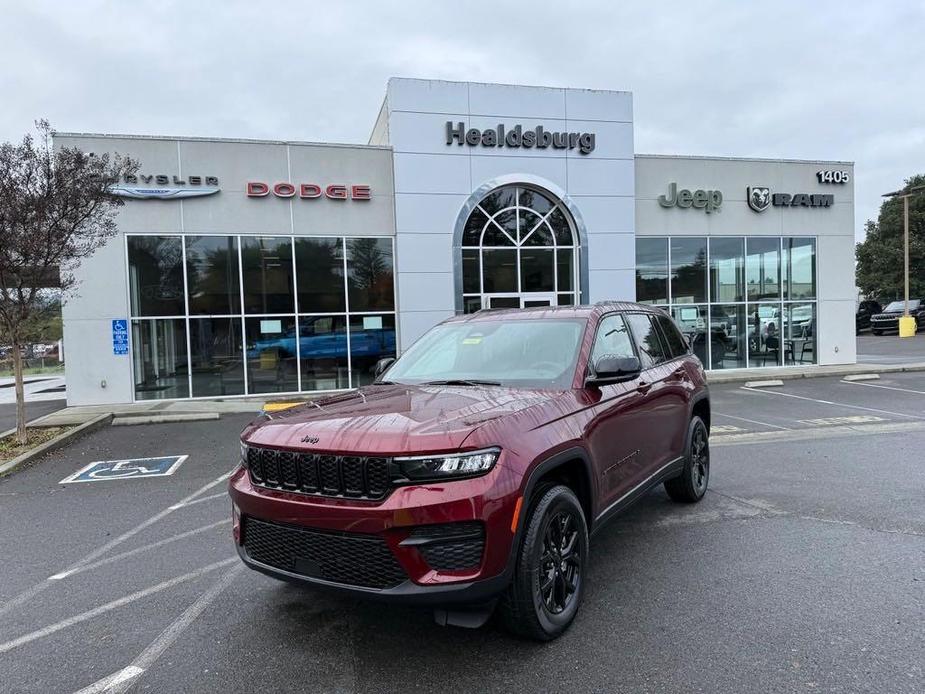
<point>673,339</point>
<point>645,334</point>
<point>612,339</point>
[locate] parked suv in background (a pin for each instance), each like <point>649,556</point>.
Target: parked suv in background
<point>889,318</point>
<point>474,470</point>
<point>866,309</point>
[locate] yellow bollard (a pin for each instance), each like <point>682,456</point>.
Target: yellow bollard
<point>906,326</point>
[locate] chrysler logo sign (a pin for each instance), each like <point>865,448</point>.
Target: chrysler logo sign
<point>164,187</point>
<point>761,198</point>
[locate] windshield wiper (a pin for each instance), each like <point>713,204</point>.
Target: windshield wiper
<point>461,382</point>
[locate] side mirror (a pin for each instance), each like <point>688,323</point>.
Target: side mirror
<point>609,369</point>
<point>383,365</point>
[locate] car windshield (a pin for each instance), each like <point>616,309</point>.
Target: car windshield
<point>517,353</point>
<point>901,305</point>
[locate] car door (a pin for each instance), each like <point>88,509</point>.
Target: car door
<point>679,384</point>
<point>615,431</point>
<point>658,407</point>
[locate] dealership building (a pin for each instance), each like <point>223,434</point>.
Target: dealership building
<point>247,267</point>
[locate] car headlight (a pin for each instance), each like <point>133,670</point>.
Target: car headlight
<point>449,466</point>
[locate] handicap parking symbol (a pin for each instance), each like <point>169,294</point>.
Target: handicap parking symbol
<point>132,468</point>
<point>120,336</point>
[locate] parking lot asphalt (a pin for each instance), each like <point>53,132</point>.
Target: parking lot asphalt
<point>34,410</point>
<point>803,569</point>
<point>890,349</point>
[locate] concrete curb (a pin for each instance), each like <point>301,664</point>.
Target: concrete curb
<point>56,443</point>
<point>792,373</point>
<point>135,420</point>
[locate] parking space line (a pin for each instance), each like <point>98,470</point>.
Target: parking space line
<point>877,385</point>
<point>199,500</point>
<point>138,550</point>
<point>112,605</point>
<point>829,402</point>
<point>111,682</point>
<point>30,593</point>
<point>752,421</point>
<point>165,640</point>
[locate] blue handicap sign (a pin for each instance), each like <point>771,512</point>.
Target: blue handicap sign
<point>132,468</point>
<point>119,336</point>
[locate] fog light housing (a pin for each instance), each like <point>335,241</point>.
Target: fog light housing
<point>446,466</point>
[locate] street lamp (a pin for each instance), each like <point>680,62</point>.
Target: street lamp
<point>907,322</point>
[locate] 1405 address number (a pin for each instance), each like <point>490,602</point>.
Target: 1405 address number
<point>833,176</point>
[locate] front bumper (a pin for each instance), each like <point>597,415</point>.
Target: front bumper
<point>394,534</point>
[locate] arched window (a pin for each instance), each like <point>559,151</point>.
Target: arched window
<point>519,249</point>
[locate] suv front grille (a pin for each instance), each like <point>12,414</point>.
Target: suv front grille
<point>323,474</point>
<point>348,558</point>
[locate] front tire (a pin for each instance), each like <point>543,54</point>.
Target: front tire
<point>691,484</point>
<point>548,582</point>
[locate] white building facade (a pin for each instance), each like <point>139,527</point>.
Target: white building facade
<point>252,268</point>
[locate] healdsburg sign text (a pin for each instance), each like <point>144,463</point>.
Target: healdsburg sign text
<point>518,137</point>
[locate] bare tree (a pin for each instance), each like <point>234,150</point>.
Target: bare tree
<point>55,209</point>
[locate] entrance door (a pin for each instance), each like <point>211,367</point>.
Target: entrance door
<point>518,300</point>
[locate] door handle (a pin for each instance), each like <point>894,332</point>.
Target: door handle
<point>679,374</point>
<point>644,387</point>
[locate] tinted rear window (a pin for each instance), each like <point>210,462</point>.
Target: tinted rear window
<point>645,334</point>
<point>673,339</point>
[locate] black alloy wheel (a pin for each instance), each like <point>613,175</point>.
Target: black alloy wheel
<point>691,484</point>
<point>548,583</point>
<point>560,563</point>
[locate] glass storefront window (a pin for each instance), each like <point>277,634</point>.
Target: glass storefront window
<point>221,348</point>
<point>762,268</point>
<point>688,270</point>
<point>217,356</point>
<point>499,271</point>
<point>159,359</point>
<point>800,257</point>
<point>537,270</point>
<point>271,354</point>
<point>319,266</point>
<point>371,338</point>
<point>323,352</point>
<point>750,308</point>
<point>652,271</point>
<point>727,269</point>
<point>267,267</point>
<point>155,268</point>
<point>764,334</point>
<point>212,275</point>
<point>728,331</point>
<point>799,334</point>
<point>692,321</point>
<point>369,274</point>
<point>518,242</point>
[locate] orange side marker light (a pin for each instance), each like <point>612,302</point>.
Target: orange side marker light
<point>516,517</point>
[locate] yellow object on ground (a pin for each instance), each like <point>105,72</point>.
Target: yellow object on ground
<point>906,326</point>
<point>279,406</point>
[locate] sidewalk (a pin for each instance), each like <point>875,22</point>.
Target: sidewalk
<point>791,372</point>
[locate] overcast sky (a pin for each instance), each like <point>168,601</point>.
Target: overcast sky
<point>822,80</point>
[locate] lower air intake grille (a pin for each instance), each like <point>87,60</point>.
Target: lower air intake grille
<point>348,558</point>
<point>451,547</point>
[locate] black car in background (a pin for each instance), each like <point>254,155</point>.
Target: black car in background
<point>888,319</point>
<point>866,309</point>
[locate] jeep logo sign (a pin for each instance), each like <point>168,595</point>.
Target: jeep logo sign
<point>707,200</point>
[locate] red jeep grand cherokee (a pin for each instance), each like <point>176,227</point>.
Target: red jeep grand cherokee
<point>474,469</point>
